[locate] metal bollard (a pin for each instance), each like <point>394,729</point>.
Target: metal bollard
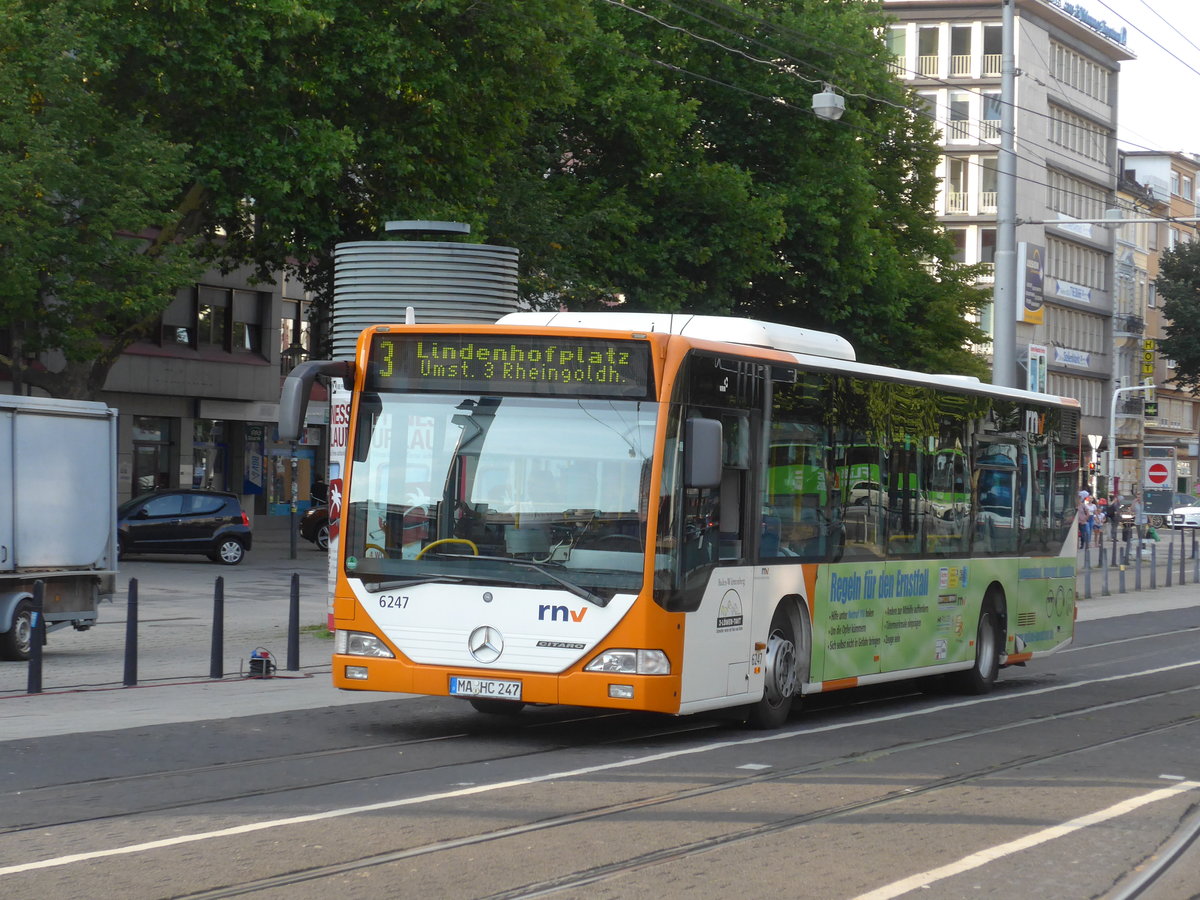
<point>1137,567</point>
<point>37,636</point>
<point>1104,591</point>
<point>293,641</point>
<point>1153,566</point>
<point>216,657</point>
<point>1087,584</point>
<point>1121,580</point>
<point>1170,559</point>
<point>131,635</point>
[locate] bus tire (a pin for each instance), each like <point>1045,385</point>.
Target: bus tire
<point>491,707</point>
<point>980,678</point>
<point>781,670</point>
<point>15,644</point>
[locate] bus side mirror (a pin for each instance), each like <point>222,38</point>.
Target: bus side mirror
<point>293,399</point>
<point>702,453</point>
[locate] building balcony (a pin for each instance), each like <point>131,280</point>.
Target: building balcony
<point>927,65</point>
<point>957,130</point>
<point>992,65</point>
<point>896,66</point>
<point>957,203</point>
<point>989,129</point>
<point>960,65</point>
<point>1128,326</point>
<point>987,201</point>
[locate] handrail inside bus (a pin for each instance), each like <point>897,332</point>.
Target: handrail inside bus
<point>293,398</point>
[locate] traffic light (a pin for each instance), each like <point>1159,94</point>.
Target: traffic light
<point>1091,468</point>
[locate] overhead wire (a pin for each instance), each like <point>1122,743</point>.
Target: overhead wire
<point>1037,161</point>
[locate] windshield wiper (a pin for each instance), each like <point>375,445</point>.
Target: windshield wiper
<point>578,590</point>
<point>376,586</point>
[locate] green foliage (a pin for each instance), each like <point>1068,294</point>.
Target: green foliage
<point>1178,284</point>
<point>82,190</point>
<point>669,160</point>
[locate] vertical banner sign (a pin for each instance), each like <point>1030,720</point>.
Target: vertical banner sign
<point>1149,354</point>
<point>1039,354</point>
<point>339,430</point>
<point>1031,263</point>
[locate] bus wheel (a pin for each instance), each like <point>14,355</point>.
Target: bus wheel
<point>497,707</point>
<point>782,681</point>
<point>981,676</point>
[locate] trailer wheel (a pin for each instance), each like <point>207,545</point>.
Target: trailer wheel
<point>16,642</point>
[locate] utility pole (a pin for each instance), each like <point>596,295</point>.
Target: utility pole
<point>1004,298</point>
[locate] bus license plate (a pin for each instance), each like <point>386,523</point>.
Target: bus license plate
<point>484,687</point>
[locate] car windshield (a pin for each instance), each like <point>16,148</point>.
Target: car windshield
<point>539,491</point>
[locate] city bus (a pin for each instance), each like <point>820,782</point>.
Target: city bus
<point>649,512</point>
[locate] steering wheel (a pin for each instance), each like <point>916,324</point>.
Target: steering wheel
<point>428,547</point>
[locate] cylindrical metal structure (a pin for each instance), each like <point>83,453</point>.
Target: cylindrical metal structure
<point>374,281</point>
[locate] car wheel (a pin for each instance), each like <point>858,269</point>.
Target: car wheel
<point>17,641</point>
<point>120,548</point>
<point>230,552</point>
<point>322,538</point>
<point>1156,521</point>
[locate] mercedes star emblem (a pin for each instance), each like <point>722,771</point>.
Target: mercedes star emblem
<point>486,644</point>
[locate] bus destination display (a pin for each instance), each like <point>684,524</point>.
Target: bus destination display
<point>510,364</point>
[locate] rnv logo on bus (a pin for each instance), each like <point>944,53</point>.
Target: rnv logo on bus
<point>560,613</point>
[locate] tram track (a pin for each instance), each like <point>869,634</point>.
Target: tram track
<point>133,785</point>
<point>683,851</point>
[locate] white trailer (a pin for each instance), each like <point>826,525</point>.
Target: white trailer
<point>58,501</point>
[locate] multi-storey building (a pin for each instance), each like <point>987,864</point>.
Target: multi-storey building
<point>198,399</point>
<point>1170,179</point>
<point>950,53</point>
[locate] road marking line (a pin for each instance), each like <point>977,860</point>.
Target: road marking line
<point>991,854</point>
<point>556,776</point>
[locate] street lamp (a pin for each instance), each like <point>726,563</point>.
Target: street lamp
<point>828,105</point>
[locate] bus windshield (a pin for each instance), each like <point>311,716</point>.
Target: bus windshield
<point>534,491</point>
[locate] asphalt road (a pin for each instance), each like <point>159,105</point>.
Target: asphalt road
<point>1076,777</point>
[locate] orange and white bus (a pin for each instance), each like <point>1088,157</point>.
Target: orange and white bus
<point>645,512</point>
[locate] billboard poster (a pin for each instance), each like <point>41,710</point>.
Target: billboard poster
<point>1039,355</point>
<point>1031,267</point>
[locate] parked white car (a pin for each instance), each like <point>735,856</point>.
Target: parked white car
<point>1185,517</point>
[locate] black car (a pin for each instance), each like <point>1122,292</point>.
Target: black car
<point>185,521</point>
<point>314,526</point>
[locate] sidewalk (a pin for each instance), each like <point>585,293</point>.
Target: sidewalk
<point>83,672</point>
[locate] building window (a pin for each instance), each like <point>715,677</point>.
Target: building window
<point>960,114</point>
<point>987,245</point>
<point>1079,135</point>
<point>1078,72</point>
<point>246,329</point>
<point>993,50</point>
<point>958,237</point>
<point>212,318</point>
<point>897,47</point>
<point>960,50</point>
<point>989,125</point>
<point>1174,182</point>
<point>1185,188</point>
<point>927,50</point>
<point>294,334</point>
<point>988,186</point>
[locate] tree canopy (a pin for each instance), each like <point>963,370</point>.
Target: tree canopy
<point>662,155</point>
<point>1178,285</point>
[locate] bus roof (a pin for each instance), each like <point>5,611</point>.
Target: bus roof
<point>730,330</point>
<point>808,347</point>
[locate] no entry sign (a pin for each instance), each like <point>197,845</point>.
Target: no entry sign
<point>1157,473</point>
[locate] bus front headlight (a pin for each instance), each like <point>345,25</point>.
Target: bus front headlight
<point>631,662</point>
<point>360,643</point>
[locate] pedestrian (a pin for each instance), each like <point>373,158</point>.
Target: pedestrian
<point>1086,512</point>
